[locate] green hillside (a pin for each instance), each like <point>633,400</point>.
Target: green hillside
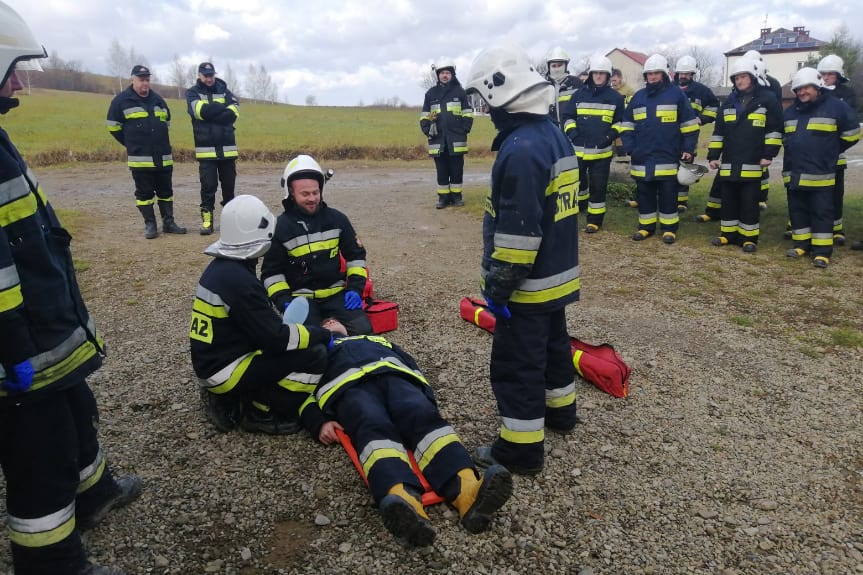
<point>54,126</point>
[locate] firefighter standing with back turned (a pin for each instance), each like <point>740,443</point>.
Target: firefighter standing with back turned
<point>446,120</point>
<point>530,260</point>
<point>58,482</point>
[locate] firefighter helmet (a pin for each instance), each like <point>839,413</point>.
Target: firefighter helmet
<point>17,43</point>
<point>833,63</point>
<point>744,66</point>
<point>247,229</point>
<point>599,63</point>
<point>444,64</point>
<point>302,165</point>
<point>503,73</point>
<point>806,77</point>
<point>656,63</point>
<point>688,174</point>
<point>557,54</point>
<point>687,65</point>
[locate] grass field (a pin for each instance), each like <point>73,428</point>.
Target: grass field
<point>55,127</point>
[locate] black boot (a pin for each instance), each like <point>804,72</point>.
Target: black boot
<point>169,226</point>
<point>206,222</point>
<point>441,201</point>
<point>150,230</point>
<point>456,199</point>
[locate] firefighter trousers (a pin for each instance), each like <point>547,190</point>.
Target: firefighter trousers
<point>386,415</point>
<point>49,453</point>
<point>450,172</point>
<point>153,183</point>
<point>811,213</point>
<point>740,214</point>
<point>532,377</point>
<point>656,195</point>
<point>211,173</point>
<point>282,382</point>
<point>593,186</point>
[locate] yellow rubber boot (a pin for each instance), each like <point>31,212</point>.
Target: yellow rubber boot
<point>479,499</point>
<point>404,516</point>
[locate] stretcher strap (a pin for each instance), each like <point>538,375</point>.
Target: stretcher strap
<point>429,497</point>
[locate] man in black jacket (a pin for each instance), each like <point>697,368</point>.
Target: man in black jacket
<point>139,118</point>
<point>57,479</point>
<point>446,120</point>
<point>213,109</point>
<point>316,253</point>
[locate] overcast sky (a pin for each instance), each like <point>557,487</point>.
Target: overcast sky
<point>347,52</point>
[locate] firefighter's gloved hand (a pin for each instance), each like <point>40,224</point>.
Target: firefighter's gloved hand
<point>433,130</point>
<point>353,300</point>
<point>19,377</point>
<point>499,310</point>
<point>331,344</point>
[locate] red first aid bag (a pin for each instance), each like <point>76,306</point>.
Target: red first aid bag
<point>599,364</point>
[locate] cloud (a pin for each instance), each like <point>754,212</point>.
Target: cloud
<point>210,33</point>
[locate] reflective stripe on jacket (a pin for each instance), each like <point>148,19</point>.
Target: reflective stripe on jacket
<point>141,125</point>
<point>451,110</point>
<point>592,119</point>
<point>213,110</point>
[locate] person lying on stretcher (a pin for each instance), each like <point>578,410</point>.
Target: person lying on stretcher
<point>375,392</point>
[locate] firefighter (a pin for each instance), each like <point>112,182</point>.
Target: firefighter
<point>57,480</point>
<point>817,129</point>
<point>446,120</point>
<point>306,260</point>
<point>138,118</point>
<point>255,372</point>
<point>831,68</point>
<point>747,136</point>
<point>377,394</point>
<point>659,129</point>
<point>565,84</point>
<point>592,118</point>
<point>767,81</point>
<point>530,260</point>
<point>214,110</point>
<point>703,101</point>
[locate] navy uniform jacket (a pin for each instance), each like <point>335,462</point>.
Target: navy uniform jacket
<point>454,118</point>
<point>658,126</point>
<point>305,257</point>
<point>746,134</point>
<point>591,120</point>
<point>530,227</point>
<point>704,102</point>
<point>564,91</point>
<point>213,109</point>
<point>815,134</point>
<point>141,124</point>
<point>42,315</point>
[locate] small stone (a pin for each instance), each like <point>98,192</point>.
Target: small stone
<point>586,571</point>
<point>576,472</point>
<point>751,531</point>
<point>177,406</point>
<point>766,545</point>
<point>766,505</point>
<point>707,513</point>
<point>161,561</point>
<point>606,448</point>
<point>245,553</point>
<point>558,453</point>
<point>344,547</point>
<point>321,520</point>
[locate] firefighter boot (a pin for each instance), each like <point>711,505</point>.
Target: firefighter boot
<point>223,411</point>
<point>456,199</point>
<point>128,490</point>
<point>169,226</point>
<point>150,229</point>
<point>405,518</point>
<point>206,222</point>
<point>479,499</point>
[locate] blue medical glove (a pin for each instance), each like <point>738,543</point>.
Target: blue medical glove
<point>353,300</point>
<point>19,377</point>
<point>499,310</point>
<point>331,344</point>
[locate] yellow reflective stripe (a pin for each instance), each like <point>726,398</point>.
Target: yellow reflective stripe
<point>208,309</point>
<point>522,436</point>
<point>514,256</point>
<point>11,298</point>
<point>562,401</point>
<point>17,210</point>
<point>773,141</point>
<point>61,369</point>
<point>309,401</point>
<point>297,386</point>
<point>43,538</point>
<point>383,453</point>
<point>132,115</point>
<point>435,448</point>
<point>819,127</point>
<point>93,478</point>
<point>320,246</point>
<point>357,271</point>
<point>136,164</point>
<point>235,109</point>
<point>576,358</point>
<point>235,376</point>
<point>549,294</point>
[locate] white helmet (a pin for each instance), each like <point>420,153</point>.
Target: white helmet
<point>832,63</point>
<point>557,54</point>
<point>444,63</point>
<point>687,65</point>
<point>806,77</point>
<point>599,63</point>
<point>503,73</point>
<point>744,66</point>
<point>247,229</point>
<point>302,165</point>
<point>17,42</point>
<point>656,63</point>
<point>753,55</point>
<point>688,174</point>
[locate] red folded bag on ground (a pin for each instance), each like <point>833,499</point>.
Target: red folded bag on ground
<point>600,364</point>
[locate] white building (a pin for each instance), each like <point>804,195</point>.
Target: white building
<point>784,52</point>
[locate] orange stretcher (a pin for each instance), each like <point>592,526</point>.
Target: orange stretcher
<point>429,497</point>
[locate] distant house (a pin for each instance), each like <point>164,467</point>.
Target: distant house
<point>630,63</point>
<point>784,52</point>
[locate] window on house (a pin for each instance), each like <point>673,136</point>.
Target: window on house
<point>768,40</point>
<point>792,39</point>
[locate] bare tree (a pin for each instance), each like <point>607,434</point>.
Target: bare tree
<point>120,61</point>
<point>429,79</point>
<point>259,85</point>
<point>311,100</point>
<point>179,76</point>
<point>231,80</point>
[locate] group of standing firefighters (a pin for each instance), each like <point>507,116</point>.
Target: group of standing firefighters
<point>321,368</point>
<point>658,128</point>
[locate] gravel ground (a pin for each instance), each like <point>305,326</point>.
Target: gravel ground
<point>738,451</point>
